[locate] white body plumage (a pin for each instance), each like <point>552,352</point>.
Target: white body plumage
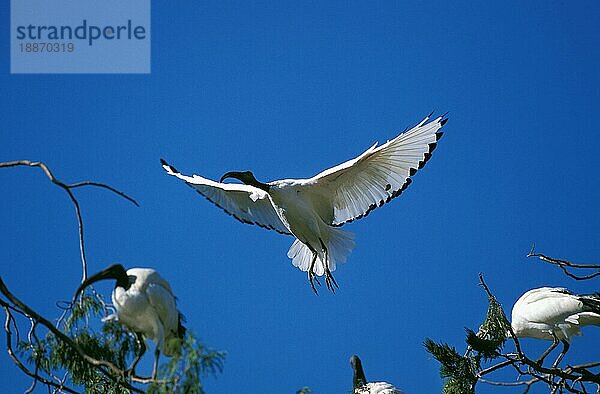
<point>377,388</point>
<point>149,307</point>
<point>145,304</point>
<point>547,311</point>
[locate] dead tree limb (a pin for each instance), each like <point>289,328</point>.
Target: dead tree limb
<point>67,188</point>
<point>565,265</point>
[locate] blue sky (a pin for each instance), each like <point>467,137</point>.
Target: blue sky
<point>286,89</point>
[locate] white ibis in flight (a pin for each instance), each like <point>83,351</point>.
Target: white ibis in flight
<point>312,209</point>
<point>553,314</point>
<point>145,304</point>
<point>361,386</point>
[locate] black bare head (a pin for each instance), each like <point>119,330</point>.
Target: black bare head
<point>246,177</point>
<point>359,378</point>
<point>116,272</point>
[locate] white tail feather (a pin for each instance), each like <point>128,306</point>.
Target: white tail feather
<point>339,246</point>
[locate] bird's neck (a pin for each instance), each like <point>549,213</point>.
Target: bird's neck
<point>260,185</point>
<point>359,378</point>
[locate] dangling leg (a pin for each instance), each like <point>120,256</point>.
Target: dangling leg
<point>329,279</point>
<point>540,360</point>
<point>142,345</point>
<point>155,368</point>
<point>311,273</point>
<point>562,354</point>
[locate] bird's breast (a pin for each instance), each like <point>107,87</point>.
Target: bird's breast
<point>134,311</point>
<point>295,210</point>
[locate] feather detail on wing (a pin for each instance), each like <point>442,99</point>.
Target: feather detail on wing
<point>246,203</point>
<point>546,293</point>
<point>165,306</point>
<point>380,174</point>
<point>163,302</point>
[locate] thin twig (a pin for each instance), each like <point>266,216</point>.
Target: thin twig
<point>494,367</point>
<point>112,189</point>
<point>584,366</point>
<point>563,264</point>
<point>67,189</point>
<point>18,362</point>
<point>522,383</point>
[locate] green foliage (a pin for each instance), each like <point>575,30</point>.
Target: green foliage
<point>182,374</point>
<point>304,390</point>
<point>114,344</point>
<point>486,344</point>
<point>111,344</point>
<point>487,349</point>
<point>457,369</point>
<point>490,338</point>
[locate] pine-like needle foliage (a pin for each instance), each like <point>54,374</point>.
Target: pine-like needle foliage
<point>461,371</point>
<point>457,369</point>
<point>490,338</point>
<point>181,375</point>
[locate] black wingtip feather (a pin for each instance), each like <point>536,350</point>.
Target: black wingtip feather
<point>164,163</point>
<point>412,171</point>
<point>426,158</point>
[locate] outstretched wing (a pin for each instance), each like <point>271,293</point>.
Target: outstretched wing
<point>358,186</point>
<point>246,203</point>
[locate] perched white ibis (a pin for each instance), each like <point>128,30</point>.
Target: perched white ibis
<point>312,209</point>
<point>361,386</point>
<point>144,303</point>
<point>553,314</point>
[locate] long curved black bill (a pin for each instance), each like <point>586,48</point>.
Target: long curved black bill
<point>116,271</point>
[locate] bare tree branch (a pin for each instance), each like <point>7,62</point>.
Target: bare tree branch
<point>510,384</point>
<point>13,356</point>
<point>67,189</point>
<point>565,265</point>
